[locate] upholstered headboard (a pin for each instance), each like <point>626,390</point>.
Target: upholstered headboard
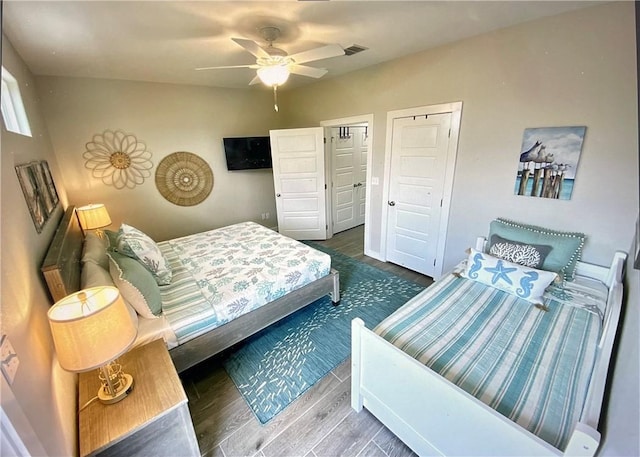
<point>61,266</point>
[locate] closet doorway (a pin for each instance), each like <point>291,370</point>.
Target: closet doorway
<point>348,149</point>
<point>348,170</point>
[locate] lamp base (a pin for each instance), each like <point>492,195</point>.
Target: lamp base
<point>124,389</point>
<point>100,234</point>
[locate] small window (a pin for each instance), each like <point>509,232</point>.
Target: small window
<point>13,113</point>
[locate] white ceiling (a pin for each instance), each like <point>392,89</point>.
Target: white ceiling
<point>163,41</point>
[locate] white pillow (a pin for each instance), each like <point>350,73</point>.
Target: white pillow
<point>137,245</point>
<point>524,282</point>
<point>94,275</point>
<point>94,249</point>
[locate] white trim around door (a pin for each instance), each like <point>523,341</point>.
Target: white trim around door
<point>455,108</point>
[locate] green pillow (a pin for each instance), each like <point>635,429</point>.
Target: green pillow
<point>112,238</point>
<point>566,247</point>
<point>136,284</point>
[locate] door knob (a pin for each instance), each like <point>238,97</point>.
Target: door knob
<point>355,185</point>
<point>277,195</point>
<point>392,203</point>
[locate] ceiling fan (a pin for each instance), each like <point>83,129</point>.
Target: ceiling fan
<point>273,65</point>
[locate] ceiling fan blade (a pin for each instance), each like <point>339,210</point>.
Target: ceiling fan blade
<point>228,66</point>
<point>255,80</point>
<point>324,52</point>
<point>307,71</point>
<point>253,47</point>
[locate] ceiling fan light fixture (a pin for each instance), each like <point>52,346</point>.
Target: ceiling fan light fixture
<point>274,75</point>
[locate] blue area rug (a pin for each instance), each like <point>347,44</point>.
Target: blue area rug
<point>277,365</point>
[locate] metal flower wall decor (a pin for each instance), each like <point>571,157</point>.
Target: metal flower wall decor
<point>119,159</point>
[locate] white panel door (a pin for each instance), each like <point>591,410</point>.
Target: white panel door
<point>418,164</point>
<point>349,172</point>
<point>298,178</point>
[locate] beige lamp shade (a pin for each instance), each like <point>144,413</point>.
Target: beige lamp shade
<point>91,328</point>
<point>93,216</point>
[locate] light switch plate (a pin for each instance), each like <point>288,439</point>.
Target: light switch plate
<point>8,359</point>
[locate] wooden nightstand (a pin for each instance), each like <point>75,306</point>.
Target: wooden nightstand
<point>152,420</point>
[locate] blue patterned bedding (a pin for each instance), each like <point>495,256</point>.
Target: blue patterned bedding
<point>222,274</point>
<point>532,366</point>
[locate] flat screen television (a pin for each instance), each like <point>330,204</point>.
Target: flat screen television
<point>247,153</point>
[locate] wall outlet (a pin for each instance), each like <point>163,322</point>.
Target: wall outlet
<point>8,359</point>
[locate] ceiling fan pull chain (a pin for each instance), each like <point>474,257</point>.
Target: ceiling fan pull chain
<point>275,97</point>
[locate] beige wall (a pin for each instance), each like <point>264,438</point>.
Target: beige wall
<point>167,118</point>
<point>572,69</point>
<point>42,397</point>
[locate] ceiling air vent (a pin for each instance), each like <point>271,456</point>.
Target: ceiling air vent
<point>354,49</point>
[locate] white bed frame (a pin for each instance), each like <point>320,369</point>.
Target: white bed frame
<point>435,417</point>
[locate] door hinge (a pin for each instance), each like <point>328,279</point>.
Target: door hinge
<point>449,133</point>
<point>325,186</point>
<point>326,227</point>
<point>441,203</point>
<point>325,140</point>
<point>434,262</point>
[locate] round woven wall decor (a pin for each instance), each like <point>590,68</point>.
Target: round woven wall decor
<point>184,178</point>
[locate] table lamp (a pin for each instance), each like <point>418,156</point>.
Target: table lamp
<point>93,217</point>
<point>90,329</point>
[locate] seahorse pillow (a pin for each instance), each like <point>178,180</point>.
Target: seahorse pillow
<point>524,282</point>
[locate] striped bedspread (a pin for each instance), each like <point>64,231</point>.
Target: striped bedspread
<point>222,274</point>
<point>532,366</point>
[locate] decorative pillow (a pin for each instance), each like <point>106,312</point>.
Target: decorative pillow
<point>136,284</point>
<point>135,244</point>
<point>566,247</point>
<point>527,255</point>
<point>94,250</point>
<point>112,238</point>
<point>524,282</point>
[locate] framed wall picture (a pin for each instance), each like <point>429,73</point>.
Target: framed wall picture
<point>39,191</point>
<point>548,162</point>
<point>48,187</point>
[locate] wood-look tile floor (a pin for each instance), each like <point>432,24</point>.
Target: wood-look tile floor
<point>320,423</point>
